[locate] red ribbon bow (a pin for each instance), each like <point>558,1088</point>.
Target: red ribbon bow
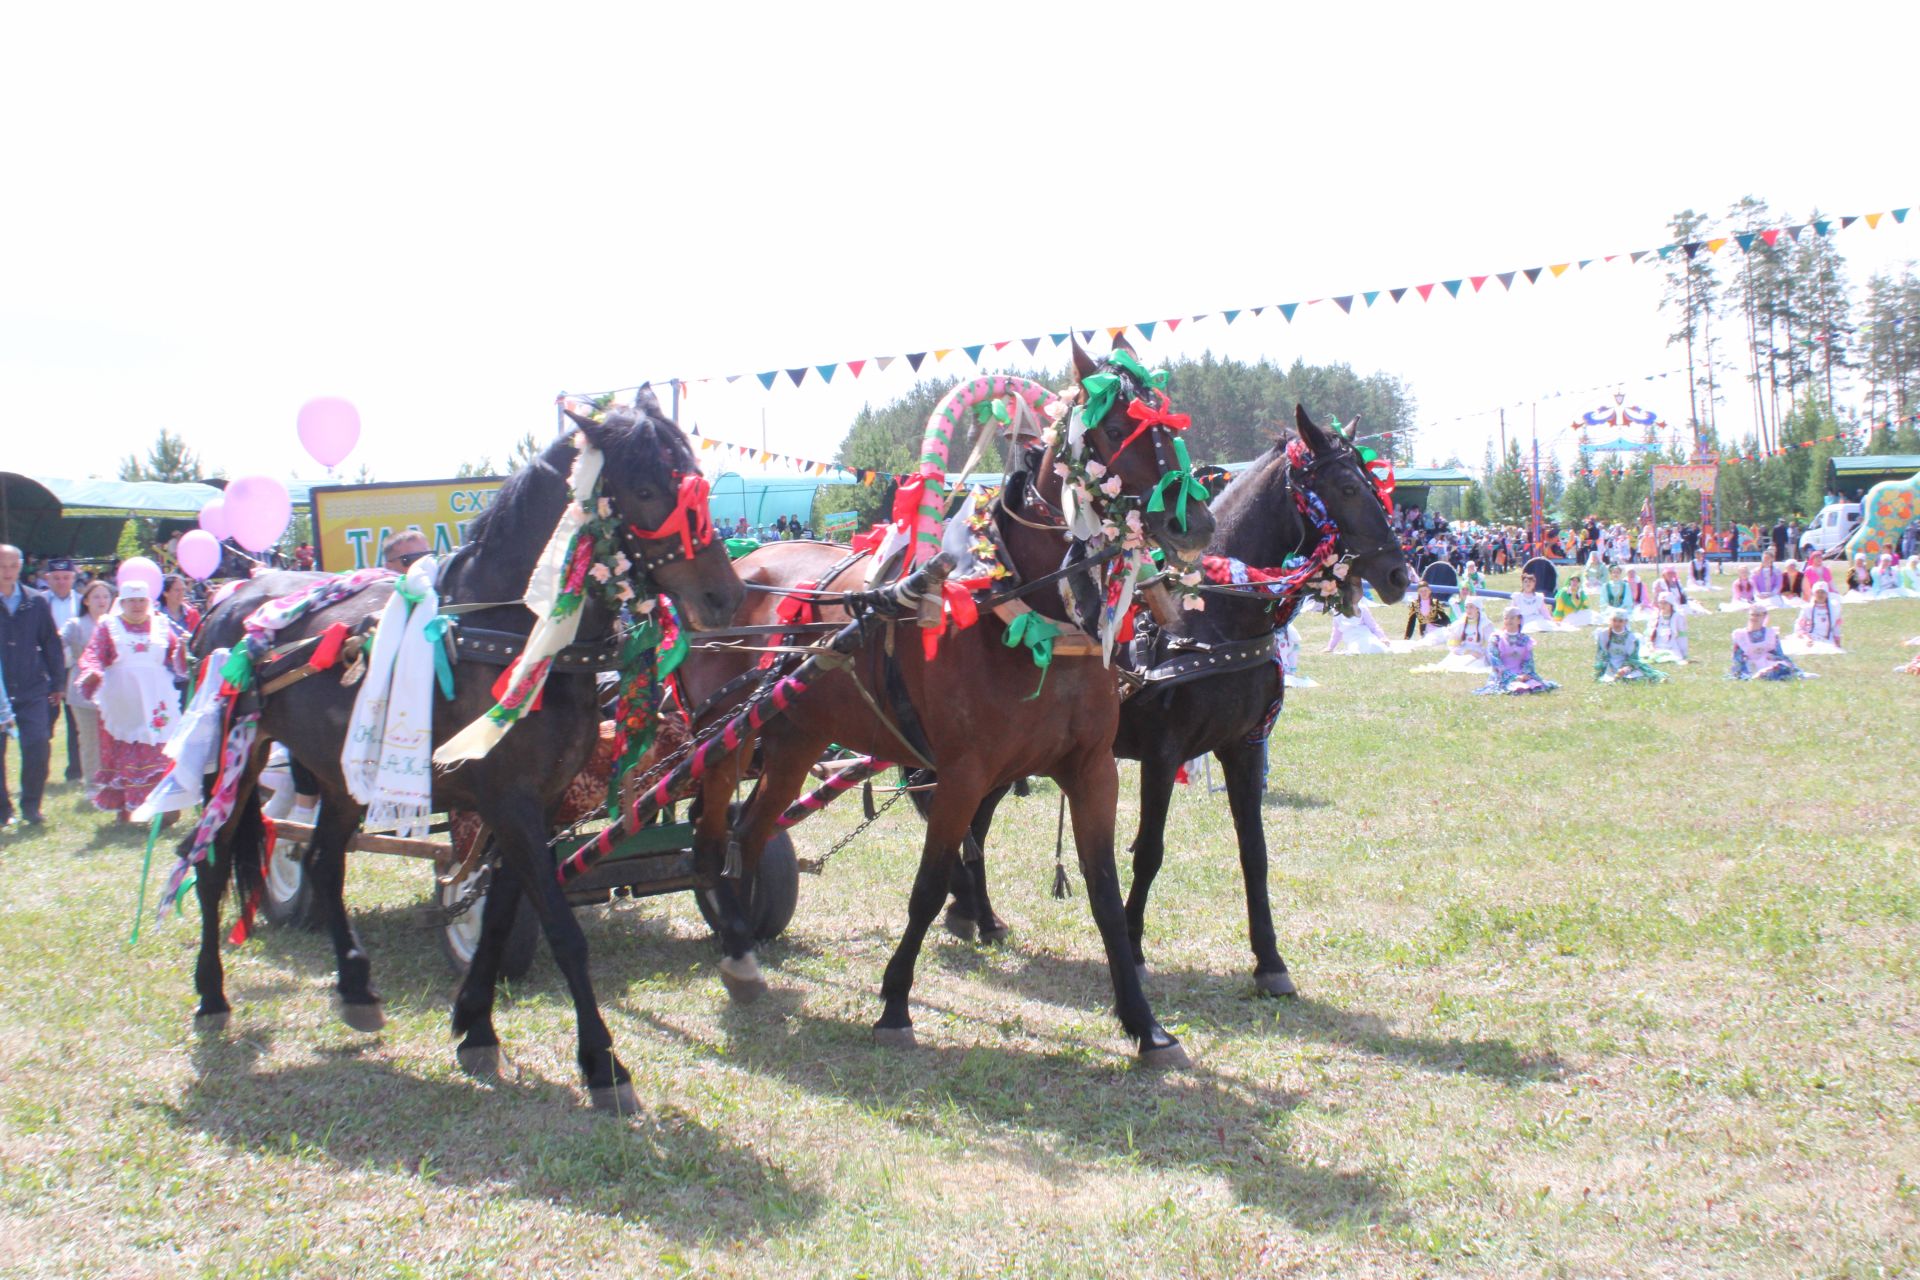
<point>1150,416</point>
<point>692,518</point>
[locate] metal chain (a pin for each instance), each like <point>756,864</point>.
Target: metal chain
<point>814,866</point>
<point>477,885</point>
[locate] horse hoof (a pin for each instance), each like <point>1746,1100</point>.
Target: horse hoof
<point>615,1099</point>
<point>996,933</point>
<point>895,1038</point>
<point>367,1016</point>
<point>1166,1057</point>
<point>742,979</point>
<point>961,927</point>
<point>209,1024</point>
<point>1275,984</point>
<point>481,1061</point>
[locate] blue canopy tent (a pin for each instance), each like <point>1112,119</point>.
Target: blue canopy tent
<point>763,499</point>
<point>83,518</point>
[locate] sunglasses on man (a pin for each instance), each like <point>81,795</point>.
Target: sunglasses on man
<point>406,561</point>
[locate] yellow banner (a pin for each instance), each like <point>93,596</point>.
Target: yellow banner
<point>1699,476</point>
<point>352,522</point>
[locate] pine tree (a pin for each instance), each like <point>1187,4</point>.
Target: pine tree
<point>1692,291</point>
<point>168,459</point>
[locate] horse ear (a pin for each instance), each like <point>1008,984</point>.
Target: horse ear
<point>597,433</point>
<point>1318,442</point>
<point>1120,343</point>
<point>1084,365</point>
<point>646,402</point>
<point>1353,428</point>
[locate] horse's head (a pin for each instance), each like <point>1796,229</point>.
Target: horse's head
<point>1330,468</point>
<point>1131,431</point>
<point>653,484</point>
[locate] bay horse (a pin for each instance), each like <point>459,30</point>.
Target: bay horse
<point>649,479</point>
<point>980,711</point>
<point>1257,521</point>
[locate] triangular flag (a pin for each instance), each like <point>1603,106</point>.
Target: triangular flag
<point>914,358</point>
<point>941,353</point>
<point>1585,263</point>
<point>1533,274</point>
<point>1846,221</point>
<point>1873,221</point>
<point>1793,233</point>
<point>1371,296</point>
<point>1115,330</point>
<point>1899,215</point>
<point>1031,344</point>
<point>1058,338</point>
<point>1637,254</point>
<point>1452,287</point>
<point>797,374</point>
<point>1715,246</point>
<point>1506,279</point>
<point>1287,309</point>
<point>1345,303</point>
<point>855,366</point>
<point>1173,326</point>
<point>884,361</point>
<point>1559,269</point>
<point>826,371</point>
<point>1425,291</point>
<point>1086,335</point>
<point>1146,329</point>
<point>1231,315</point>
<point>765,457</point>
<point>1002,346</point>
<point>1745,241</point>
<point>1395,294</point>
<point>732,378</point>
<point>1609,258</point>
<point>1258,310</point>
<point>766,379</point>
<point>1692,247</point>
<point>1478,281</point>
<point>973,352</point>
<point>1666,251</point>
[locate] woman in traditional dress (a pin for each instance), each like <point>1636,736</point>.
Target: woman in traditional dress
<point>1818,627</point>
<point>1670,585</point>
<point>1742,591</point>
<point>1510,657</point>
<point>1535,615</point>
<point>76,633</point>
<point>1614,592</point>
<point>1886,580</point>
<point>1472,582</point>
<point>1427,620</point>
<point>1793,583</point>
<point>1757,651</point>
<point>1859,580</point>
<point>1817,572</point>
<point>1359,634</point>
<point>1286,652</point>
<point>1700,570</point>
<point>1910,578</point>
<point>1766,582</point>
<point>1667,633</point>
<point>1467,641</point>
<point>1593,574</point>
<point>1570,607</point>
<point>1642,607</point>
<point>1616,653</point>
<point>128,670</point>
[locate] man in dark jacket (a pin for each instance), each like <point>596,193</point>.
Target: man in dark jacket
<point>36,675</point>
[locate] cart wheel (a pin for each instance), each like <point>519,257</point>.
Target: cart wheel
<point>460,937</point>
<point>287,893</point>
<point>776,891</point>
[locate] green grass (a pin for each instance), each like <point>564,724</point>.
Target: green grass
<point>1615,981</point>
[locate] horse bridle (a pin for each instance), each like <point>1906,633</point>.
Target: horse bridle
<point>1157,424</point>
<point>1303,479</point>
<point>685,533</point>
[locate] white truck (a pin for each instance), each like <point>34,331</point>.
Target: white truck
<point>1829,531</point>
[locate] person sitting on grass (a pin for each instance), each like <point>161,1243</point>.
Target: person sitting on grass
<point>1859,580</point>
<point>1467,641</point>
<point>1570,607</point>
<point>1757,651</point>
<point>1667,633</point>
<point>1699,569</point>
<point>1818,628</point>
<point>1510,656</point>
<point>1616,652</point>
<point>1359,634</point>
<point>1742,591</point>
<point>1427,618</point>
<point>1534,616</point>
<point>1614,592</point>
<point>1768,581</point>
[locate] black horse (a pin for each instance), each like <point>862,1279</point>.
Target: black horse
<point>1227,711</point>
<point>516,784</point>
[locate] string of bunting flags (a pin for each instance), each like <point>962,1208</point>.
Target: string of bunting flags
<point>1761,455</point>
<point>800,375</point>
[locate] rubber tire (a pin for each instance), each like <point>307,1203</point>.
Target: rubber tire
<point>457,942</point>
<point>776,891</point>
<point>287,898</point>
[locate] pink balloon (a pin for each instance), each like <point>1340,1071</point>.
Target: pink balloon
<point>257,511</point>
<point>198,553</point>
<point>213,518</point>
<point>141,569</point>
<point>329,428</point>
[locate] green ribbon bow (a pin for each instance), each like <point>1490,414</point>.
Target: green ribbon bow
<point>1038,633</point>
<point>435,631</point>
<point>1125,360</point>
<point>1101,388</point>
<point>996,409</point>
<point>237,670</point>
<point>1181,481</point>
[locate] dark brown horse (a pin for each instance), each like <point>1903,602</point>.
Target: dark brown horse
<point>982,711</point>
<point>1257,521</point>
<point>515,785</point>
